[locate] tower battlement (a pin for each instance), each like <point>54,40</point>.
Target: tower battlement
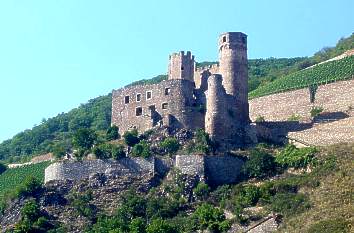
<point>181,66</point>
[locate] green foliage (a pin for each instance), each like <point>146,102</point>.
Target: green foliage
<point>208,217</point>
<point>96,114</point>
<point>131,137</point>
<point>81,203</point>
<point>107,150</point>
<point>291,156</point>
<point>289,204</point>
<point>32,220</point>
<point>337,225</point>
<point>30,187</point>
<point>142,149</point>
<point>315,111</point>
<point>160,226</point>
<point>319,74</point>
<point>170,145</point>
<point>84,139</point>
<point>153,80</point>
<point>260,119</point>
<point>201,143</point>
<point>112,133</point>
<point>201,191</point>
<point>162,207</point>
<point>247,196</point>
<point>13,178</point>
<point>137,225</point>
<point>294,117</point>
<point>60,148</point>
<point>2,168</point>
<point>260,164</point>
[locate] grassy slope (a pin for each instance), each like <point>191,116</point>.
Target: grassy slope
<point>320,74</point>
<point>333,199</point>
<point>12,178</point>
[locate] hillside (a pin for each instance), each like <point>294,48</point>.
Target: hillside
<point>320,74</point>
<point>96,114</point>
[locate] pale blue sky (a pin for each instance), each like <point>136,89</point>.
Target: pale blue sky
<point>56,54</point>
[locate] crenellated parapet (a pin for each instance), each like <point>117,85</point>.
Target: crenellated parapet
<point>181,66</point>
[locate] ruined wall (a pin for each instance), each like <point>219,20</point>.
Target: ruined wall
<point>169,103</point>
<point>69,170</point>
<point>217,170</point>
<point>181,66</point>
<point>333,97</point>
<point>200,77</point>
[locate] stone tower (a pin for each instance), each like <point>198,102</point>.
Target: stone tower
<point>215,114</point>
<point>234,69</point>
<point>181,66</point>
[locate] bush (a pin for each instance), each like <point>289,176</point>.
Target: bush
<point>208,217</point>
<point>81,203</point>
<point>137,225</point>
<point>260,164</point>
<point>131,137</point>
<point>84,139</point>
<point>289,204</point>
<point>30,187</point>
<point>2,168</point>
<point>201,143</point>
<point>315,111</point>
<point>160,226</point>
<point>142,149</point>
<point>294,157</point>
<point>161,207</point>
<point>247,196</point>
<point>107,150</point>
<point>337,225</point>
<point>112,133</point>
<point>170,145</point>
<point>201,191</point>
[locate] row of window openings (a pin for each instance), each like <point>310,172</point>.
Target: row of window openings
<point>139,110</point>
<point>148,96</point>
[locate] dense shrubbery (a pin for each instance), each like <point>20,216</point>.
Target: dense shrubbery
<point>131,137</point>
<point>208,217</point>
<point>260,164</point>
<point>2,168</point>
<point>201,143</point>
<point>112,133</point>
<point>201,191</point>
<point>289,203</point>
<point>295,157</point>
<point>170,145</point>
<point>142,149</point>
<point>107,151</point>
<point>81,203</point>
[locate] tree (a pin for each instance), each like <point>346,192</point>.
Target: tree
<point>112,133</point>
<point>84,138</point>
<point>142,149</point>
<point>160,226</point>
<point>208,217</point>
<point>2,168</point>
<point>170,145</point>
<point>201,191</point>
<point>131,137</point>
<point>260,164</point>
<point>202,142</point>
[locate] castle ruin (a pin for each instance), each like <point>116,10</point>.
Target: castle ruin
<point>214,97</point>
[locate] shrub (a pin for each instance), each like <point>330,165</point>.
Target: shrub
<point>81,203</point>
<point>201,191</point>
<point>30,211</point>
<point>2,168</point>
<point>112,133</point>
<point>291,156</point>
<point>84,139</point>
<point>202,142</point>
<point>259,165</point>
<point>131,137</point>
<point>160,226</point>
<point>170,145</point>
<point>107,150</point>
<point>208,217</point>
<point>315,111</point>
<point>137,225</point>
<point>30,187</point>
<point>247,196</point>
<point>142,149</point>
<point>161,207</point>
<point>289,204</point>
<point>294,117</point>
<point>337,225</point>
<point>260,119</point>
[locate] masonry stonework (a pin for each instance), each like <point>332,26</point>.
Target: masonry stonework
<point>333,97</point>
<point>183,101</point>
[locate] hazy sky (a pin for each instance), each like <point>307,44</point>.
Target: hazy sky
<point>56,54</point>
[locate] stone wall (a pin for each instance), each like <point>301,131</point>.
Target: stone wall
<point>201,75</point>
<point>181,66</point>
<point>333,97</point>
<point>169,103</point>
<point>217,170</point>
<point>69,170</point>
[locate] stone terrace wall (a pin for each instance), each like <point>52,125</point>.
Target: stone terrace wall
<point>69,170</point>
<point>216,169</point>
<point>333,97</point>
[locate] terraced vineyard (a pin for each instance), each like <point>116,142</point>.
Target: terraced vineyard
<point>321,74</point>
<point>12,178</point>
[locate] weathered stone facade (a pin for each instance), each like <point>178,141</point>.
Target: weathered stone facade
<point>183,100</point>
<point>332,97</point>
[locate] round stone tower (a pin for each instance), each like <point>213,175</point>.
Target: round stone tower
<point>215,114</point>
<point>234,68</point>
